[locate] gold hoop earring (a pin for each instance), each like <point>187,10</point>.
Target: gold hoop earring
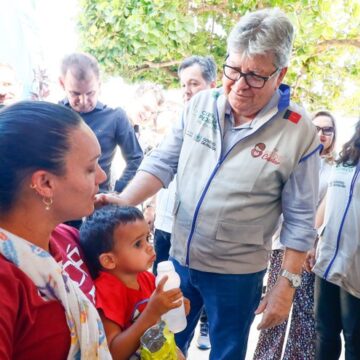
<point>48,202</point>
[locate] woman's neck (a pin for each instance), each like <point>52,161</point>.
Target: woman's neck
<point>25,226</point>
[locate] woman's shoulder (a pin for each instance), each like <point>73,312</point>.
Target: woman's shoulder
<point>11,275</point>
<point>15,285</point>
<point>25,316</point>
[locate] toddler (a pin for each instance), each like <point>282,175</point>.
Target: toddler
<point>116,245</point>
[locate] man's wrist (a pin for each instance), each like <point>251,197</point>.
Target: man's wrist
<point>294,279</point>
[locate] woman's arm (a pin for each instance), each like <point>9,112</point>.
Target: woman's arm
<point>319,220</point>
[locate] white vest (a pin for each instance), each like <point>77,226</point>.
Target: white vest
<point>338,253</point>
<point>226,209</point>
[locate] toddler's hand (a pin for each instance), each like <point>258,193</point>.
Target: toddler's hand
<point>162,301</point>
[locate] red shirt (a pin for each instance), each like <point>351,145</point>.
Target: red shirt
<point>119,303</point>
<point>64,243</point>
<point>30,327</point>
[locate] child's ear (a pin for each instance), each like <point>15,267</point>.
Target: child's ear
<point>107,261</point>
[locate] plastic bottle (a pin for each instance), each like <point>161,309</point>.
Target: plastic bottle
<point>175,318</point>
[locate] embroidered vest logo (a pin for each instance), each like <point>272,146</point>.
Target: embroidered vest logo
<point>204,141</point>
<point>271,156</point>
<point>208,119</point>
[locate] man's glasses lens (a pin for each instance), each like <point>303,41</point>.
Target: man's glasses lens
<point>251,79</point>
<point>327,130</point>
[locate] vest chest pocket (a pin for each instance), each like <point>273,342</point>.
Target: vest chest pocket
<point>237,239</point>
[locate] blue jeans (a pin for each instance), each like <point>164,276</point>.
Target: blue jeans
<point>162,247</point>
<point>230,301</point>
<point>336,310</point>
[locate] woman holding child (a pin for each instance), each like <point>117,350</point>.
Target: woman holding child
<point>41,308</point>
<point>49,174</point>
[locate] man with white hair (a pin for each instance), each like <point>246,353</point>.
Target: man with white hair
<point>243,155</point>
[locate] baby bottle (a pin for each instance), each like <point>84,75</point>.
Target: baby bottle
<point>175,318</point>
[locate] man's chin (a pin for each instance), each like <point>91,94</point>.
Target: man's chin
<point>84,110</point>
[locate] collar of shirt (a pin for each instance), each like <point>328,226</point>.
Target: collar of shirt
<point>99,105</point>
<point>278,102</point>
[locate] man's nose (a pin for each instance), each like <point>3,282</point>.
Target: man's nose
<point>82,99</point>
<point>187,89</point>
<point>241,83</point>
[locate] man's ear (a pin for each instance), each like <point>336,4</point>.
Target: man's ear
<point>281,76</point>
<point>61,82</point>
<point>107,261</point>
<point>44,183</point>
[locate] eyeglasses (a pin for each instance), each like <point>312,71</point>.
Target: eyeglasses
<point>251,79</point>
<point>326,130</point>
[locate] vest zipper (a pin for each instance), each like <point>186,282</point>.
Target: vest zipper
<point>220,161</point>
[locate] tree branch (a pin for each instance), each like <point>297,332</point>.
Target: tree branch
<point>224,7</point>
<point>324,45</point>
<point>152,65</point>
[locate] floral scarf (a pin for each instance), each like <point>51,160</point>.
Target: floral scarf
<point>88,339</point>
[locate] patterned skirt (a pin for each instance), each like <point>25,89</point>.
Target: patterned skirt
<point>300,344</point>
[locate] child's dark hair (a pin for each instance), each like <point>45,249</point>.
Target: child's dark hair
<point>97,232</point>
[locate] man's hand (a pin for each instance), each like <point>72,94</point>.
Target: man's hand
<point>108,199</point>
<point>310,260</point>
<point>149,215</point>
<point>276,304</point>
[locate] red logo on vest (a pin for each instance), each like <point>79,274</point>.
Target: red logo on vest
<point>270,156</point>
<point>292,116</point>
<point>258,150</point>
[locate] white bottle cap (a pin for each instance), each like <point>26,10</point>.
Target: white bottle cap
<point>164,266</point>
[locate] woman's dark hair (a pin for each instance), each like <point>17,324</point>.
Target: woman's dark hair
<point>329,153</point>
<point>97,232</point>
<point>34,136</point>
<point>350,153</point>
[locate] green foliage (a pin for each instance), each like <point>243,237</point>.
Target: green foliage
<point>147,39</point>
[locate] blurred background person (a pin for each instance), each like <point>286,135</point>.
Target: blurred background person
<point>10,87</point>
<point>337,266</point>
<point>143,113</point>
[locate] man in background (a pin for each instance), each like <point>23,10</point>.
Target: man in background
<point>80,79</point>
<point>195,73</point>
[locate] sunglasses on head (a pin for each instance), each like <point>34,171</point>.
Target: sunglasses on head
<point>326,130</point>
